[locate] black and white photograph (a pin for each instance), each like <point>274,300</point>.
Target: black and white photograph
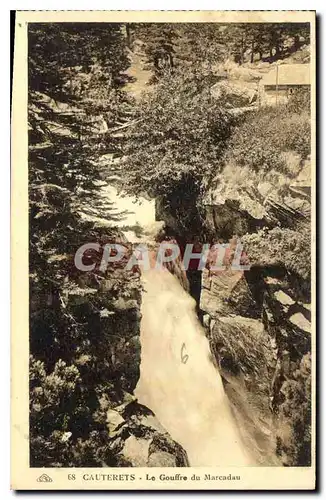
<point>170,219</point>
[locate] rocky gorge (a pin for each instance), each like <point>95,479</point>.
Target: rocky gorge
<point>258,325</point>
<point>138,368</point>
<point>258,322</point>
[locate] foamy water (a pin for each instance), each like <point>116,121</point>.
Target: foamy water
<point>178,380</point>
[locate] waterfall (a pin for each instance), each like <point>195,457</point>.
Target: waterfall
<point>178,380</point>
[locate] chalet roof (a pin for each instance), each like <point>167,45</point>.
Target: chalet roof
<point>288,74</point>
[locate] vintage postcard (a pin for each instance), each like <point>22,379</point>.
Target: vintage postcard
<point>163,243</point>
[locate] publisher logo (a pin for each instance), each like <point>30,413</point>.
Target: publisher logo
<point>44,479</point>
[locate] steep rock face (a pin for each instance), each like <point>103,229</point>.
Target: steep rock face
<point>287,319</point>
<point>258,325</point>
<point>226,292</point>
<point>270,211</point>
<point>242,350</point>
<point>270,360</point>
<point>259,198</point>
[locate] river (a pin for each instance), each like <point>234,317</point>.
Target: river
<point>178,380</point>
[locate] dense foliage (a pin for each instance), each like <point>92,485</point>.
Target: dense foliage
<point>294,443</point>
<point>288,248</point>
<point>74,103</point>
<point>168,46</point>
<point>263,136</point>
<point>178,139</point>
<point>84,327</point>
<point>181,131</point>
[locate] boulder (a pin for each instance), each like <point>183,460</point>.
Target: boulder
<point>113,422</point>
<point>135,450</point>
<point>161,459</point>
<point>283,298</point>
<point>264,196</point>
<point>235,93</point>
<point>139,440</point>
<point>226,292</point>
<point>300,321</point>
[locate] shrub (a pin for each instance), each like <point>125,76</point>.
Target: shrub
<point>63,430</point>
<point>179,135</point>
<point>299,100</point>
<point>294,439</point>
<point>262,137</point>
<point>284,247</point>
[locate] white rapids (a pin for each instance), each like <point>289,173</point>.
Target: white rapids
<point>179,382</point>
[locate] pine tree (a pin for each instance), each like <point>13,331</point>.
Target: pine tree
<point>159,46</point>
<point>179,137</point>
<point>75,105</point>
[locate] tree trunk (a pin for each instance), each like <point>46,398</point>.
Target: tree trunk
<point>128,33</point>
<point>252,51</point>
<point>241,52</point>
<point>296,42</point>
